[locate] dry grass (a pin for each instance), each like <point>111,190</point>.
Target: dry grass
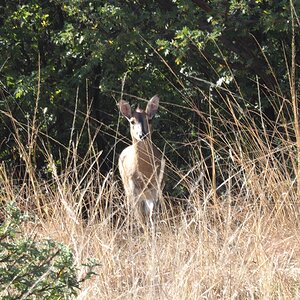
<point>238,239</point>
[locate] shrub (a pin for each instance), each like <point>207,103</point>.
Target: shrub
<point>33,269</point>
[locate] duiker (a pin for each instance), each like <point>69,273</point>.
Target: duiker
<point>141,164</point>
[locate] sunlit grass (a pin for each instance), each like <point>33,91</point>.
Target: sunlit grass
<point>233,235</point>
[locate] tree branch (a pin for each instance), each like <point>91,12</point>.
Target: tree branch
<point>203,5</point>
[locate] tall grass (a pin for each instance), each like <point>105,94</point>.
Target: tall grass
<point>233,235</point>
<point>235,238</point>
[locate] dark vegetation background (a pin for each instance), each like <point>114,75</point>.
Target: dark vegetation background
<point>182,50</point>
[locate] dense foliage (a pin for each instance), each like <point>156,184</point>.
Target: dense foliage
<point>33,269</point>
<point>177,49</point>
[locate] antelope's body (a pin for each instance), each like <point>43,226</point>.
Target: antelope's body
<point>141,164</point>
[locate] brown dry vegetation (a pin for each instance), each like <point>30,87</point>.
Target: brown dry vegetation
<point>238,239</point>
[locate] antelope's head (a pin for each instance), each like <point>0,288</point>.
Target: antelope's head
<point>140,120</point>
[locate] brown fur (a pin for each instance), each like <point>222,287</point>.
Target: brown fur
<point>141,164</point>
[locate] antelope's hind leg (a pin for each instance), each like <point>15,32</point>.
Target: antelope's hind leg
<point>149,209</point>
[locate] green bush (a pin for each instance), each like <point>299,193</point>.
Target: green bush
<point>32,269</point>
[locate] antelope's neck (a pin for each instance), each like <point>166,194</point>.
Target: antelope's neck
<point>143,152</point>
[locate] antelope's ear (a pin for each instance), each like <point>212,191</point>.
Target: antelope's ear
<point>125,109</point>
<point>152,106</point>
